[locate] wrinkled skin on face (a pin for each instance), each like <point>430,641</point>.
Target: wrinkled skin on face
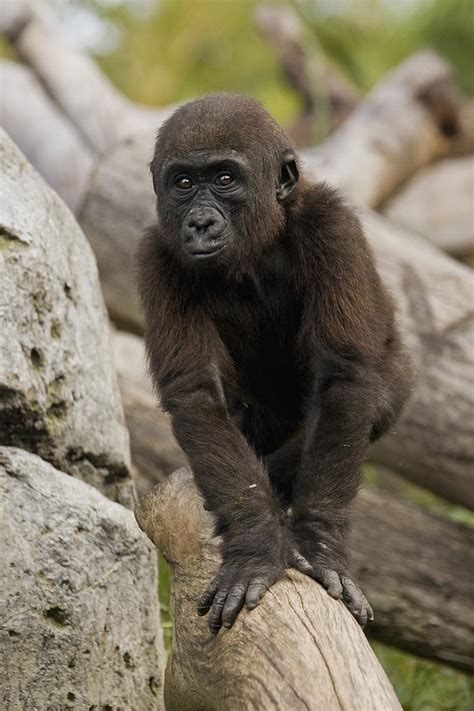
<point>220,205</point>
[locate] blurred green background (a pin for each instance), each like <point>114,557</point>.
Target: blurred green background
<point>164,51</point>
<point>161,52</point>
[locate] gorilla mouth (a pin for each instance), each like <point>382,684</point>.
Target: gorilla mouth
<point>207,252</point>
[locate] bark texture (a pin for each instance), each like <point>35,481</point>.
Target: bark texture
<point>298,650</point>
<point>417,570</point>
<point>79,617</point>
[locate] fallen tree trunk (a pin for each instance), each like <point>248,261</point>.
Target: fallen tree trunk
<point>299,649</point>
<point>433,443</point>
<point>405,123</point>
<point>409,565</point>
<point>438,203</point>
<point>99,112</point>
<point>51,142</point>
<point>327,97</point>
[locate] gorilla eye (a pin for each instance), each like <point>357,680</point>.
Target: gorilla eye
<point>184,182</point>
<point>224,180</point>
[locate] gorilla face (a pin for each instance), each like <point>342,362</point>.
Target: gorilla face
<point>221,171</point>
<point>204,194</point>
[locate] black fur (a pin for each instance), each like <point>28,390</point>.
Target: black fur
<point>272,343</point>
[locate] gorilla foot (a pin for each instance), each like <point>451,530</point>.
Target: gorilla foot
<point>239,584</point>
<point>340,585</point>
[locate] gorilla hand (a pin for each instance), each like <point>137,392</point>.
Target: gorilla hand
<point>245,576</point>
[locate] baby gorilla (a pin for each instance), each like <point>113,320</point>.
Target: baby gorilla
<point>272,343</point>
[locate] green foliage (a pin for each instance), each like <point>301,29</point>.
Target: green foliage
<point>373,36</point>
<point>424,686</point>
<point>184,49</point>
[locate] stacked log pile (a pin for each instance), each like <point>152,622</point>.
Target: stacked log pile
<point>403,155</point>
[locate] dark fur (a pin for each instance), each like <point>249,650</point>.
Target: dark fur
<point>279,362</point>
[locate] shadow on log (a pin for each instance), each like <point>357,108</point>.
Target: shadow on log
<point>299,649</point>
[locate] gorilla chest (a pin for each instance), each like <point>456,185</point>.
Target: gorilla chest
<point>260,336</point>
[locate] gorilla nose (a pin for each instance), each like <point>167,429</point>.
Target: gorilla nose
<point>205,224</point>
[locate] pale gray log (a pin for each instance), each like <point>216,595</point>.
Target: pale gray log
<point>433,443</point>
<point>79,613</point>
<point>394,132</point>
<point>438,203</point>
<point>299,649</point>
<point>46,136</point>
<point>417,570</point>
<point>95,107</point>
<point>59,394</point>
<point>155,452</point>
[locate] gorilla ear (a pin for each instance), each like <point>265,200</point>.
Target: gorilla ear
<point>288,175</point>
<point>153,177</point>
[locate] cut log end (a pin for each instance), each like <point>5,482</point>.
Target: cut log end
<point>299,649</point>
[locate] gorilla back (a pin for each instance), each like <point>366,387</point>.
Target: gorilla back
<point>271,342</point>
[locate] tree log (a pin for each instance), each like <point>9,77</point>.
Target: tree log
<point>80,90</point>
<point>407,562</point>
<point>405,123</point>
<point>433,443</point>
<point>299,649</point>
<point>417,571</point>
<point>50,142</point>
<point>438,203</point>
<point>327,97</point>
<point>155,452</point>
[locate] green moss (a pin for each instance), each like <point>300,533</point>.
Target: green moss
<point>9,242</point>
<point>55,330</point>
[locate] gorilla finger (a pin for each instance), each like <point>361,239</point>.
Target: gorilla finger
<point>330,580</point>
<point>233,604</point>
<point>205,601</point>
<point>296,560</point>
<point>354,599</point>
<point>256,590</point>
<point>215,614</point>
<point>370,613</point>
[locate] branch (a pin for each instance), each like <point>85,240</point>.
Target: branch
<point>299,649</point>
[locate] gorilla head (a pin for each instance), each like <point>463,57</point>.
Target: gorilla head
<point>222,170</point>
